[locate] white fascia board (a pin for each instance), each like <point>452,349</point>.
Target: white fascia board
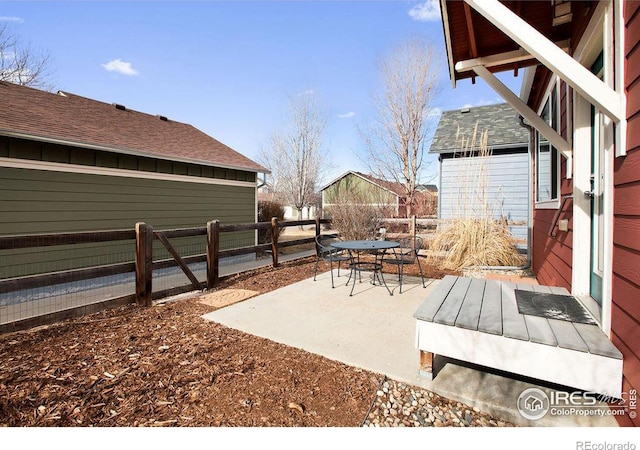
<point>447,41</point>
<point>576,75</point>
<point>502,58</point>
<point>619,74</point>
<point>536,121</point>
<point>527,83</point>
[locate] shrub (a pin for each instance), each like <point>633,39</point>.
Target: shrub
<point>267,210</point>
<point>354,218</point>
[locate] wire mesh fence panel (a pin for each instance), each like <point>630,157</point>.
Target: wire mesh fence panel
<point>35,302</point>
<point>38,259</point>
<point>168,278</point>
<point>41,270</point>
<point>44,275</point>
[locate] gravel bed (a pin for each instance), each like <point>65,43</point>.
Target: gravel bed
<point>400,405</point>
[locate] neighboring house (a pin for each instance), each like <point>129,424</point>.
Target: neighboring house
<point>506,169</point>
<point>367,189</point>
<point>71,164</point>
<point>290,212</point>
<point>426,200</point>
<point>581,93</point>
<point>308,213</point>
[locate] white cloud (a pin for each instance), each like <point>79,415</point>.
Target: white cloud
<point>307,92</point>
<point>15,76</point>
<point>429,11</point>
<point>346,115</point>
<point>11,19</point>
<point>434,112</point>
<point>119,66</point>
<point>8,55</point>
<point>483,102</point>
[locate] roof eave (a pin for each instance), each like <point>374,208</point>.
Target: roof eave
<point>336,179</point>
<point>515,145</point>
<point>125,151</point>
<point>447,42</point>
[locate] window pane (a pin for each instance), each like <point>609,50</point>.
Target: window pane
<point>547,161</point>
<point>554,172</point>
<point>543,172</point>
<point>544,115</point>
<point>553,110</point>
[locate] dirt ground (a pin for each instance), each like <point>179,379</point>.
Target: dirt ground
<point>166,366</point>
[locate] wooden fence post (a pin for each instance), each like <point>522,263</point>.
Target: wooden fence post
<point>144,263</point>
<point>274,241</point>
<point>213,250</point>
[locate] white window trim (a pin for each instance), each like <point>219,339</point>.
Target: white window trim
<point>548,204</point>
<point>553,203</point>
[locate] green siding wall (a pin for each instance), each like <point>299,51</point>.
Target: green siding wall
<point>35,202</point>
<point>353,187</point>
<point>41,151</point>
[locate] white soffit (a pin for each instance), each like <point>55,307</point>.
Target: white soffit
<point>554,58</point>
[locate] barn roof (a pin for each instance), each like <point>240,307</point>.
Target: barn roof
<point>70,119</point>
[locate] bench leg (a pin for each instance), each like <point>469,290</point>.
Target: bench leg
<point>426,365</point>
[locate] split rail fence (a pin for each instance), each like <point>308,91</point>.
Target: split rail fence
<point>144,265</point>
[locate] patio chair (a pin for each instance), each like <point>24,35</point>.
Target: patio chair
<point>328,253</point>
<point>405,254</point>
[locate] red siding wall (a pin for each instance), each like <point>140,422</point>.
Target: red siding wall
<point>552,255</point>
<point>625,317</point>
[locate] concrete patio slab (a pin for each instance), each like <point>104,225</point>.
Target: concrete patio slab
<point>375,331</point>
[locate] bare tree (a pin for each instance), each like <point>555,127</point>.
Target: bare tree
<point>355,211</point>
<point>395,142</point>
<point>294,155</point>
<point>20,63</point>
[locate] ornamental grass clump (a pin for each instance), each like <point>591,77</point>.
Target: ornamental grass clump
<point>478,235</point>
<point>467,243</point>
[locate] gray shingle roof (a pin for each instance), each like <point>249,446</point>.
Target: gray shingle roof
<point>499,120</point>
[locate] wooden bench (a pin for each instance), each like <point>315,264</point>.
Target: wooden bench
<point>478,321</point>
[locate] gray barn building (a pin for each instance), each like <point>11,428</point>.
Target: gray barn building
<point>506,168</point>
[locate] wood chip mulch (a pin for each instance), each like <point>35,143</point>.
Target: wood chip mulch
<point>166,366</point>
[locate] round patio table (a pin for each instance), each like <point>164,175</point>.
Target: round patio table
<point>378,248</point>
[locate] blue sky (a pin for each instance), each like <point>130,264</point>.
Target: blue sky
<point>228,67</point>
